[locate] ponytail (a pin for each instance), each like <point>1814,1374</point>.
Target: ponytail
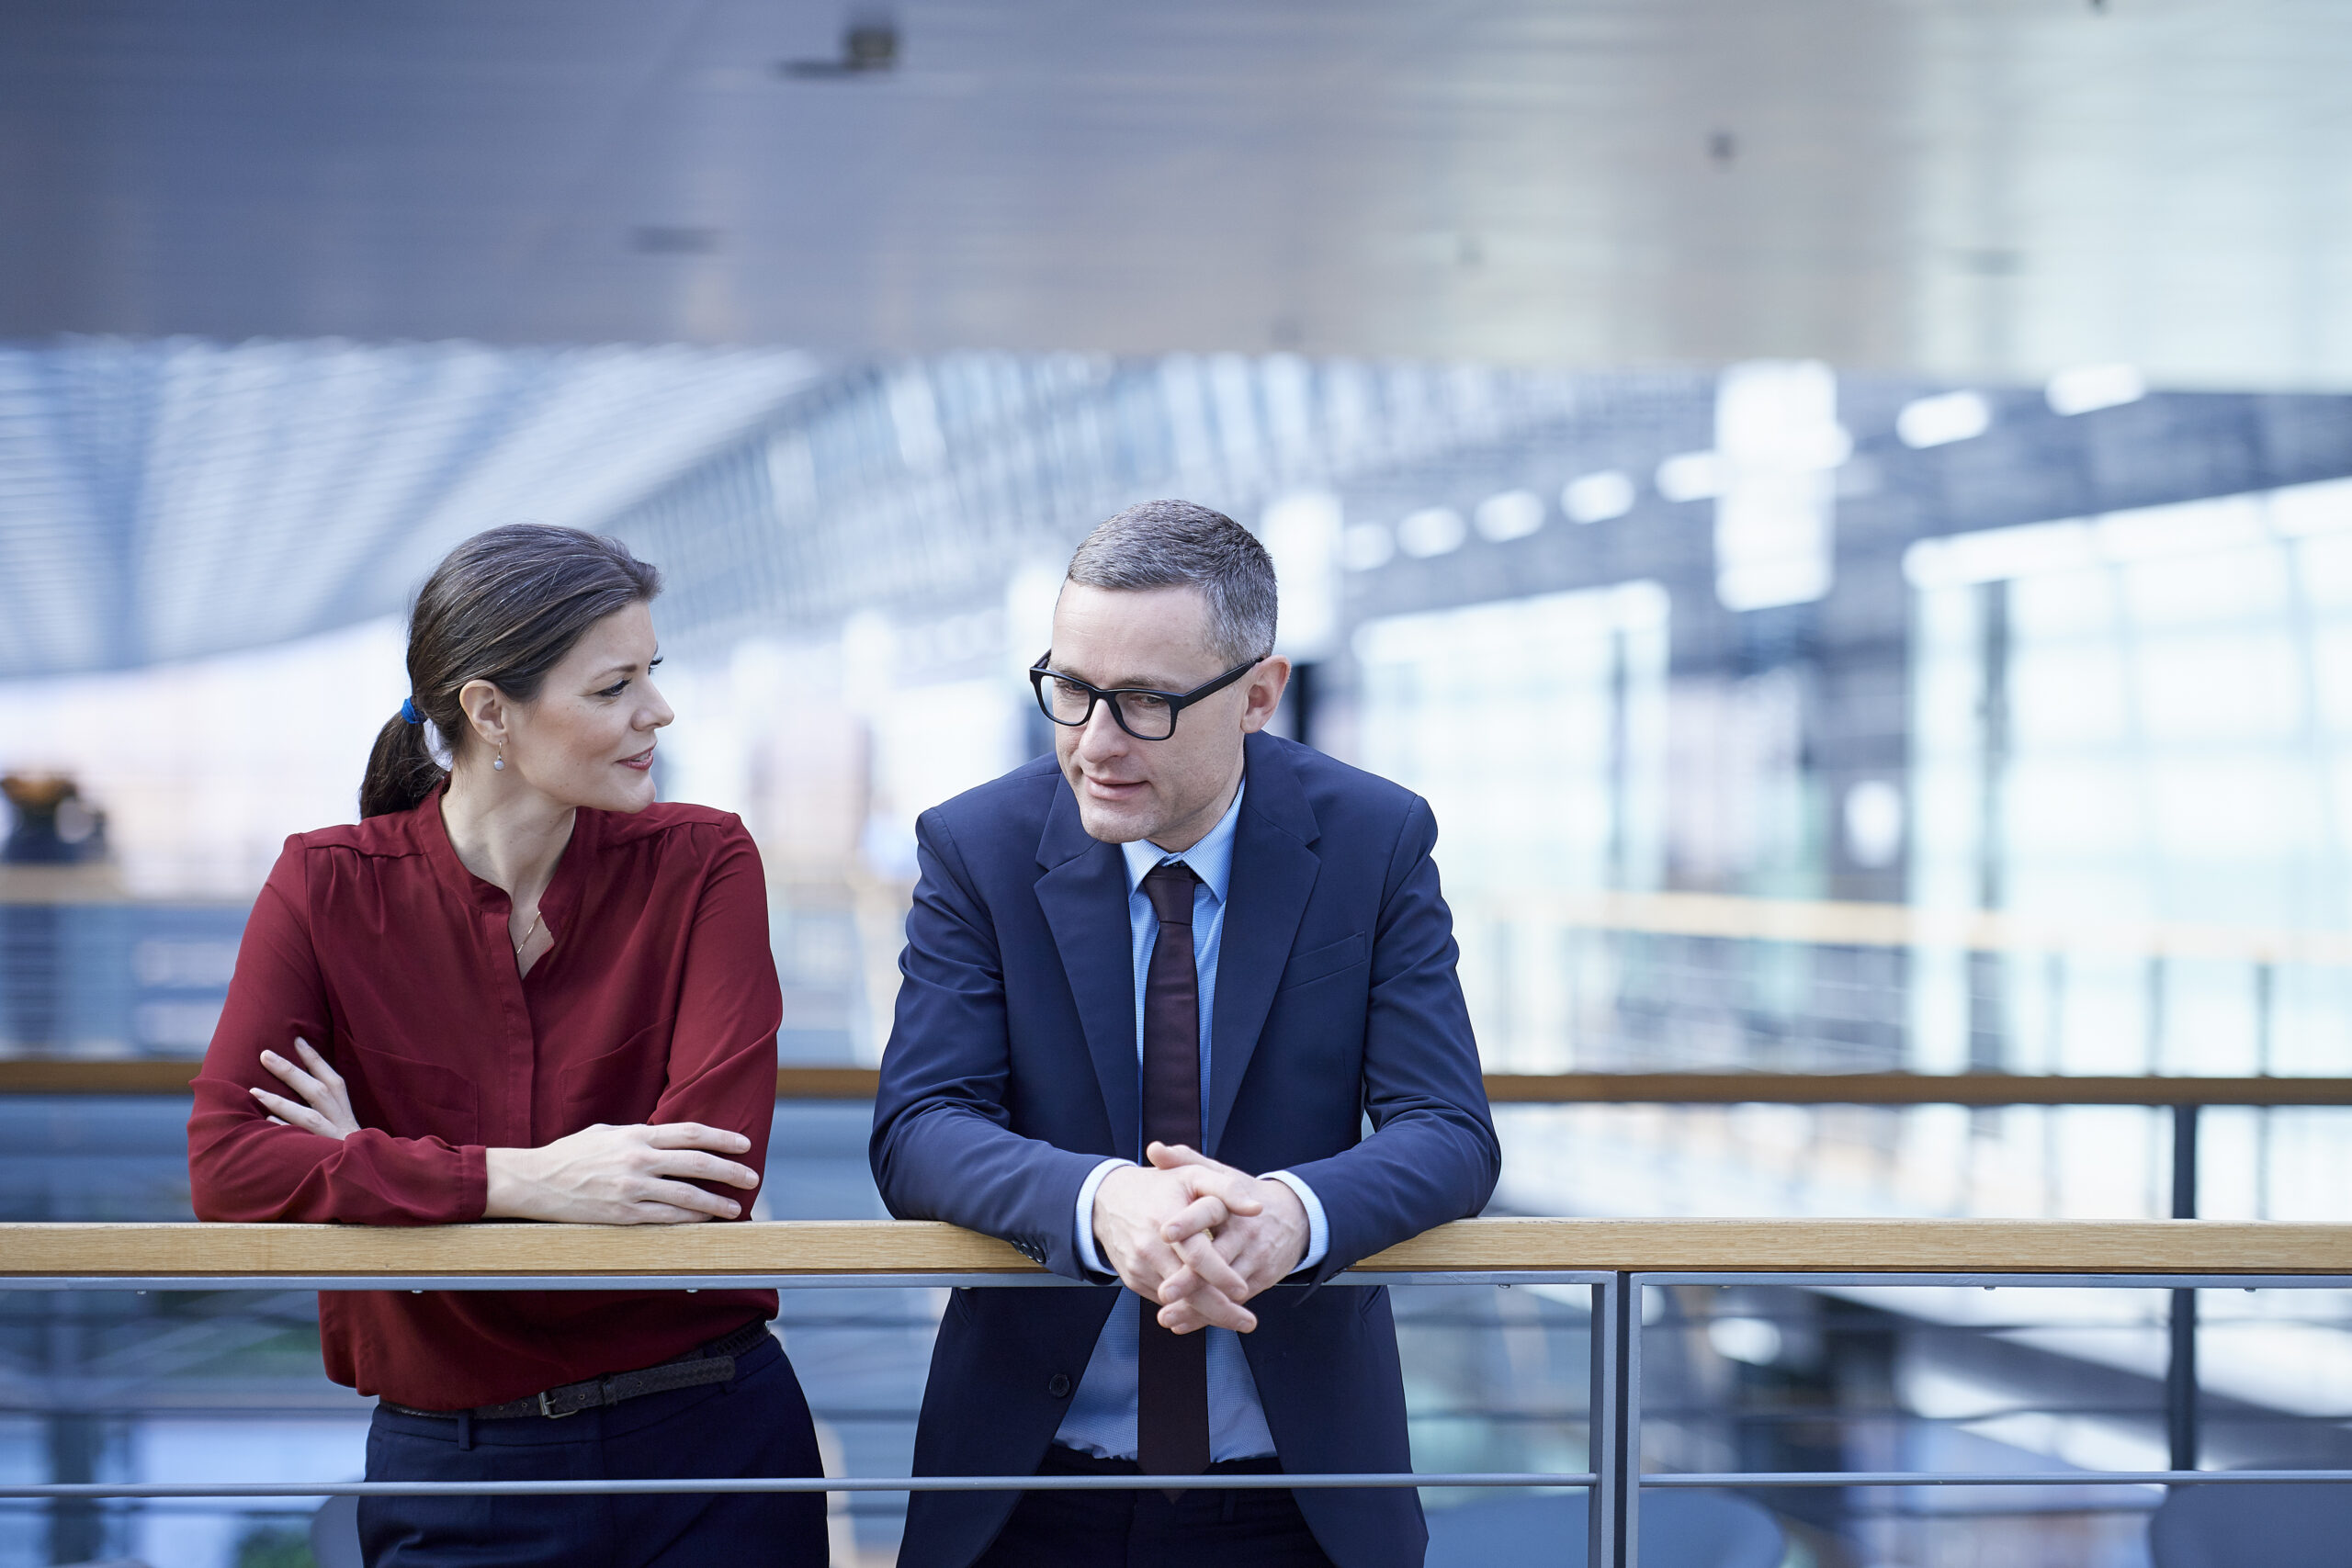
<point>401,770</point>
<point>504,607</point>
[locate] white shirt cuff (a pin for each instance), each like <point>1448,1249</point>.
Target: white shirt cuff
<point>1319,1229</point>
<point>1086,1253</point>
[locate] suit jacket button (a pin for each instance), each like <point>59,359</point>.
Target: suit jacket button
<point>1059,1385</point>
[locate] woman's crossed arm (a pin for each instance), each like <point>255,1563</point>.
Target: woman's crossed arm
<point>600,1175</point>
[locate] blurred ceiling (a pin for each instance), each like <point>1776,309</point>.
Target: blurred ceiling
<point>1958,189</point>
<point>164,501</point>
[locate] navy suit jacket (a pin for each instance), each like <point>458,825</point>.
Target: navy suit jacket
<point>1011,1073</point>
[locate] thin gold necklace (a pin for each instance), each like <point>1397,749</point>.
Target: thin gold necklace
<point>526,934</point>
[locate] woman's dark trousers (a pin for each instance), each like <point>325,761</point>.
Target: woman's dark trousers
<point>756,1424</point>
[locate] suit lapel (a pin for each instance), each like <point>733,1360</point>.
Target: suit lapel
<point>1083,892</point>
<point>1273,876</point>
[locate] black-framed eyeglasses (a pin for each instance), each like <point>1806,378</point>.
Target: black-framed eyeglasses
<point>1146,715</point>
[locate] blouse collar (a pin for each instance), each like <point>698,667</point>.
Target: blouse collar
<point>556,905</point>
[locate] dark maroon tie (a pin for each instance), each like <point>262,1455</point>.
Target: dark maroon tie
<point>1172,1369</point>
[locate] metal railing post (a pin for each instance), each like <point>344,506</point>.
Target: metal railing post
<point>2181,1372</point>
<point>1613,1506</point>
<point>2264,1002</point>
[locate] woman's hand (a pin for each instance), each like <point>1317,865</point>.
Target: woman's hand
<point>326,1104</point>
<point>620,1176</point>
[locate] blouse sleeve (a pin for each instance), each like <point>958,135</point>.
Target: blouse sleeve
<point>722,1048</point>
<point>243,1165</point>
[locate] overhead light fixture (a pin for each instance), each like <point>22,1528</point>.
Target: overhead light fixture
<point>1597,497</point>
<point>1305,533</point>
<point>2094,387</point>
<point>1692,475</point>
<point>1513,514</point>
<point>1754,1340</point>
<point>1874,823</point>
<point>1778,447</point>
<point>1366,546</point>
<point>1433,531</point>
<point>1943,420</point>
<point>869,47</point>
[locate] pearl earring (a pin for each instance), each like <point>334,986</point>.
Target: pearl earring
<point>499,762</point>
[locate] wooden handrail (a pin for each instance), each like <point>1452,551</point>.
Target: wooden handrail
<point>66,1075</point>
<point>1830,923</point>
<point>51,1076</point>
<point>851,1249</point>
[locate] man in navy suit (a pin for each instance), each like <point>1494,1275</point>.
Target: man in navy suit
<point>1179,951</point>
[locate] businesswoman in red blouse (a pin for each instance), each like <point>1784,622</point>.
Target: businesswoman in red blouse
<point>523,989</point>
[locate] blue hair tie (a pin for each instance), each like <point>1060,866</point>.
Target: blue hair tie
<point>408,711</point>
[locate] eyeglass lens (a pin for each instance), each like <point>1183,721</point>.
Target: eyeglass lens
<point>1142,714</point>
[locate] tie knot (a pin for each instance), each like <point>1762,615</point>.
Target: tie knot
<point>1170,886</point>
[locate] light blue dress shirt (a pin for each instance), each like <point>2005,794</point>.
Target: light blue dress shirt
<point>1101,1417</point>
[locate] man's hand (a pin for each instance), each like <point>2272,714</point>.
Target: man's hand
<point>1238,1236</point>
<point>1198,1237</point>
<point>1138,1207</point>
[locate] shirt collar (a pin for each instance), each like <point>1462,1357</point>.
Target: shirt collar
<point>1211,859</point>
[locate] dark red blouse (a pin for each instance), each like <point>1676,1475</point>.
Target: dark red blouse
<point>657,1003</point>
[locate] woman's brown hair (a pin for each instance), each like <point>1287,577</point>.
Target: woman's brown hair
<point>504,607</point>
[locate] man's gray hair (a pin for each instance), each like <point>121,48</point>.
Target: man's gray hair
<point>1175,544</point>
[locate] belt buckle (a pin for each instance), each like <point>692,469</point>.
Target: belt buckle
<point>550,1412</point>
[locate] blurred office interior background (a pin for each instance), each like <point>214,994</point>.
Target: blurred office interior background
<point>1843,506</point>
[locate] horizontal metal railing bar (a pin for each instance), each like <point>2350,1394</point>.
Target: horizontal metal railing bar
<point>1709,1481</point>
<point>1221,1483</point>
<point>1984,1090</point>
<point>1750,1414</point>
<point>1670,1415</point>
<point>2140,1504</point>
<point>1765,1414</point>
<point>1992,1280</point>
<point>1734,1478</point>
<point>689,1282</point>
<point>884,1252</point>
<point>64,1076</point>
<point>142,1283</point>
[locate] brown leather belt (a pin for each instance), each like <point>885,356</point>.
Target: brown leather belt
<point>714,1362</point>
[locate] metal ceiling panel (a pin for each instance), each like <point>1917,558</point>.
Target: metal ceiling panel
<point>1949,188</point>
<point>163,500</point>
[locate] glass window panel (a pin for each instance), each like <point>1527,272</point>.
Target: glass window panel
<point>2202,590</point>
<point>2209,688</point>
<point>2323,571</point>
<point>2069,696</point>
<point>2070,807</point>
<point>2062,604</point>
<point>2332,669</point>
<point>2238,810</point>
